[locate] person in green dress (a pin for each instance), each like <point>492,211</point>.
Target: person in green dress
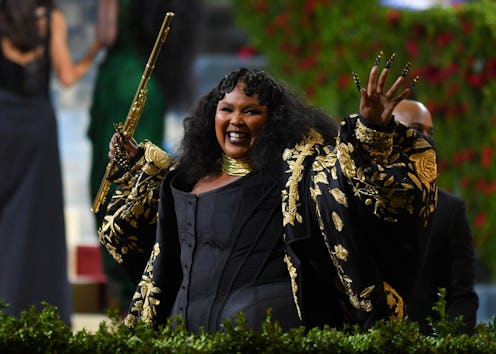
<point>129,29</point>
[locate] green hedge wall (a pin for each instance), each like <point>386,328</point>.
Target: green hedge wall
<point>46,333</point>
<point>314,46</point>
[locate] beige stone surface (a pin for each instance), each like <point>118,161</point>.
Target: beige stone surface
<point>88,321</point>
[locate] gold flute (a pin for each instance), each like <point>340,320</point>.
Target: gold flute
<point>129,126</point>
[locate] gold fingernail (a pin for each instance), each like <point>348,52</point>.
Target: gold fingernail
<point>412,85</point>
<point>378,58</point>
<point>390,60</point>
<point>356,79</point>
<point>406,69</point>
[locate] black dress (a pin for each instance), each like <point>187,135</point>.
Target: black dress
<point>33,256</point>
<point>230,263</point>
<point>340,211</point>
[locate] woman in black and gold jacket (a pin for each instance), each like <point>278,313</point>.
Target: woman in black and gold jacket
<point>266,208</point>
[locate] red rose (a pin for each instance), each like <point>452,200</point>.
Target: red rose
<point>476,80</point>
<point>412,48</point>
<point>486,156</point>
<point>344,81</point>
<point>308,62</point>
<point>467,27</point>
<point>246,52</point>
<point>393,16</point>
<point>480,220</point>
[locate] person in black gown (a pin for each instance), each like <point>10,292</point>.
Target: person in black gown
<point>33,257</point>
<point>266,207</point>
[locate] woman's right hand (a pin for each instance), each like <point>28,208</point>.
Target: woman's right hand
<point>125,147</point>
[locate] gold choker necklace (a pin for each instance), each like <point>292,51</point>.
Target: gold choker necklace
<point>235,167</point>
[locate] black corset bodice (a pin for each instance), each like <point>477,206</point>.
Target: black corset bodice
<point>232,254</point>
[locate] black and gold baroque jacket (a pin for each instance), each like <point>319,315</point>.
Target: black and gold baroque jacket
<point>369,200</point>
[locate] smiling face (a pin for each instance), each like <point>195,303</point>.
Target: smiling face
<point>238,122</point>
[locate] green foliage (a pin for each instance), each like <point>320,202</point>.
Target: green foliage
<point>442,326</point>
<point>44,332</point>
<point>32,333</point>
<point>315,45</point>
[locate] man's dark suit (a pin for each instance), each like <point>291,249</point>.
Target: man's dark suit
<point>449,264</point>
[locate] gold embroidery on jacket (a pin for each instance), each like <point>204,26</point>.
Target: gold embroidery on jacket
<point>378,144</point>
<point>132,215</point>
<point>321,166</point>
<point>339,196</point>
<point>341,253</point>
<point>131,206</point>
<point>134,203</point>
<point>338,222</point>
<point>344,152</point>
<point>294,285</point>
<point>294,158</point>
<point>145,302</point>
<point>290,196</point>
<point>425,165</point>
<point>381,189</point>
<point>394,301</point>
<point>378,188</point>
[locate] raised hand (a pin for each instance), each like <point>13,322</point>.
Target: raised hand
<point>377,102</point>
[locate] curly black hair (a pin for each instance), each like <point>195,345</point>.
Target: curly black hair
<point>290,119</point>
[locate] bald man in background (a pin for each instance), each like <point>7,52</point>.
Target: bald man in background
<point>450,259</point>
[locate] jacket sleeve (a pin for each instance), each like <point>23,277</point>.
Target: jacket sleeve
<point>374,195</point>
<point>128,228</point>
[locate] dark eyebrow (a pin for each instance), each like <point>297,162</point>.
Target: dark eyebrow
<point>255,105</point>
